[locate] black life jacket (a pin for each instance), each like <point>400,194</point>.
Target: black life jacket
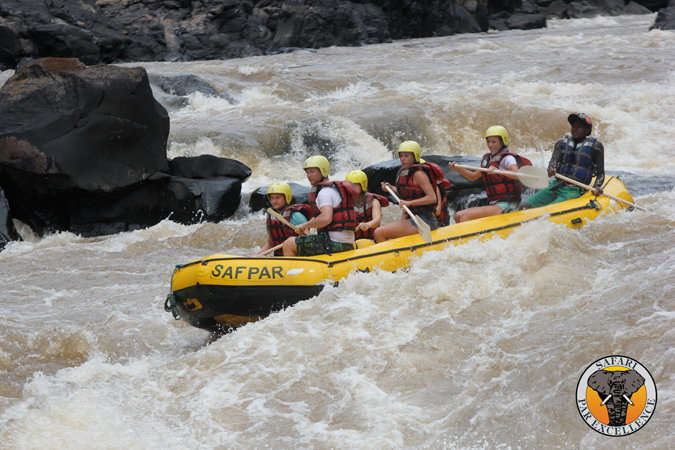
<point>577,163</point>
<point>501,187</point>
<point>364,213</point>
<point>344,216</point>
<point>408,190</point>
<point>279,232</point>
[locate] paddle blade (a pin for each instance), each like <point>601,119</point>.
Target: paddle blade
<point>533,177</point>
<point>423,229</point>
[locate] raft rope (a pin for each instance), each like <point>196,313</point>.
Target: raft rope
<point>170,302</point>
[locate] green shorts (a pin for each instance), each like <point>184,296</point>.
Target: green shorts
<point>507,207</point>
<point>320,244</point>
<point>549,195</point>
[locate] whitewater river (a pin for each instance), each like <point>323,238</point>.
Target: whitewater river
<point>475,347</point>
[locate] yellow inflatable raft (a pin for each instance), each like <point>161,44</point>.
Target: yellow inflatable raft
<point>221,291</point>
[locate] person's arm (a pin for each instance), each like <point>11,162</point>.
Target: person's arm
<point>555,158</point>
<point>377,217</point>
<point>422,180</point>
<point>268,245</point>
<point>471,175</point>
<point>598,157</point>
<point>319,221</point>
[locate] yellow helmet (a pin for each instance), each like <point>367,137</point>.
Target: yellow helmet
<point>320,162</point>
<point>280,188</point>
<point>358,177</point>
<point>498,131</point>
<point>411,147</point>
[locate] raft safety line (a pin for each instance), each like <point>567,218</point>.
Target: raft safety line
<point>591,205</point>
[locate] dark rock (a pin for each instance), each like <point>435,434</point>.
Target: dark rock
<point>582,9</point>
<point>259,199</point>
<point>84,150</point>
<point>634,8</point>
<point>208,167</point>
<point>173,89</point>
<point>520,21</point>
<point>95,128</point>
<point>7,230</point>
<point>609,7</point>
<point>498,24</point>
<point>557,10</point>
<point>665,19</point>
<point>529,7</point>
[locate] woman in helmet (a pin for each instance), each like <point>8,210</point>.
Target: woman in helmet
<point>279,196</point>
<point>368,206</point>
<point>416,187</point>
<point>503,191</point>
<point>332,203</point>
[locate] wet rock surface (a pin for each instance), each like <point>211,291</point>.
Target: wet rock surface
<point>107,31</point>
<point>83,149</point>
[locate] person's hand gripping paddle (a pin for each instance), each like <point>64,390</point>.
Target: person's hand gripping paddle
<point>422,228</point>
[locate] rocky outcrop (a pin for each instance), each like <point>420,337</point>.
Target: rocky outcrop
<point>7,230</point>
<point>561,9</point>
<point>84,150</point>
<point>665,19</point>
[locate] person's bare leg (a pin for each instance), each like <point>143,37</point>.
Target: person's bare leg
<point>393,230</point>
<point>477,213</point>
<point>290,247</point>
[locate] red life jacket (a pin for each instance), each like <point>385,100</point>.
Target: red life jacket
<point>364,213</point>
<point>408,190</point>
<point>344,216</point>
<point>444,217</point>
<point>279,232</point>
<point>501,187</point>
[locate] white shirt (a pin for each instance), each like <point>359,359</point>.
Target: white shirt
<point>331,196</point>
<point>506,163</point>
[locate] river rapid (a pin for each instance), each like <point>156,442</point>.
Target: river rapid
<point>478,346</point>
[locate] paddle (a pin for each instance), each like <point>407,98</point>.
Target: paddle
<point>267,252</point>
<point>422,228</point>
<point>533,177</point>
<point>285,222</point>
<point>585,186</point>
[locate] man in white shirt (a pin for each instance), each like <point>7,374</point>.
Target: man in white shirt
<point>334,215</point>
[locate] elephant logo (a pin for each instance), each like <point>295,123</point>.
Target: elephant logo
<point>616,387</point>
<point>616,395</point>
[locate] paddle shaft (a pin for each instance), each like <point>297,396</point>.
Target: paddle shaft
<point>399,201</point>
<point>284,221</point>
<point>273,249</point>
<point>585,186</point>
<point>498,172</point>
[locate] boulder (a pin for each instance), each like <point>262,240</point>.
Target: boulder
<point>521,21</point>
<point>582,9</point>
<point>84,150</point>
<point>665,19</point>
<point>557,10</point>
<point>208,167</point>
<point>7,230</point>
<point>96,128</point>
<point>161,197</point>
<point>634,8</point>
